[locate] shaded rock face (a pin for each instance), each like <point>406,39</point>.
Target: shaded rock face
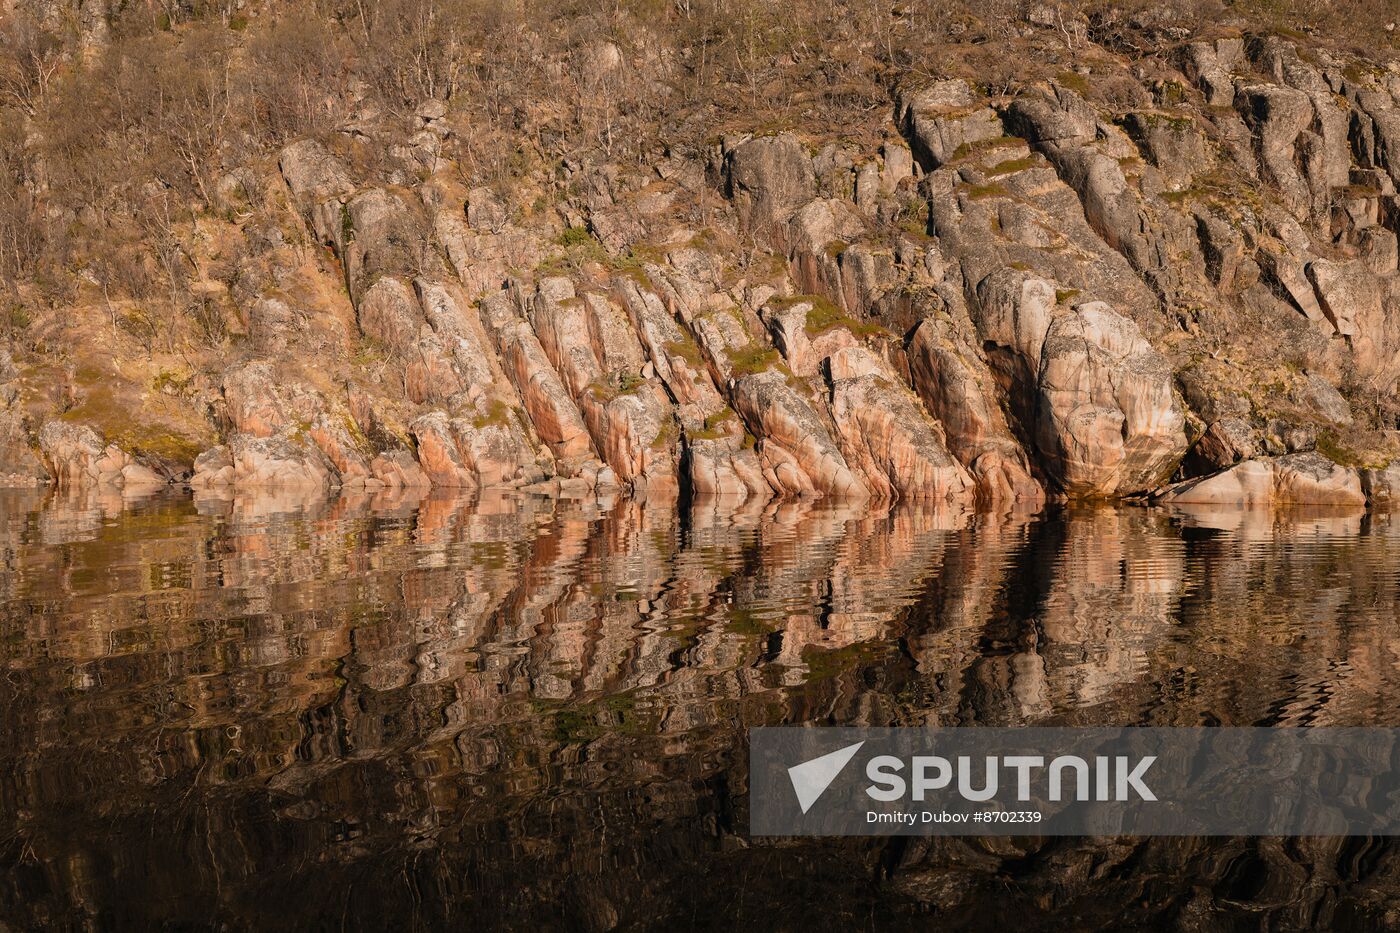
<point>1174,146</point>
<point>311,172</point>
<point>954,381</point>
<point>1278,115</point>
<point>380,233</point>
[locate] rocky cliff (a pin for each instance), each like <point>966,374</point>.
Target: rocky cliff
<point>1167,272</point>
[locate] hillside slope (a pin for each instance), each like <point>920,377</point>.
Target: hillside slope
<point>1088,255</point>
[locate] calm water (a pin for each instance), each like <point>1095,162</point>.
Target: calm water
<point>517,712</point>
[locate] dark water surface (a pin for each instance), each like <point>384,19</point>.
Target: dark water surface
<point>525,713</point>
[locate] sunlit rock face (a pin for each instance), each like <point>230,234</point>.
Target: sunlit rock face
<point>513,687</point>
<point>1091,287</point>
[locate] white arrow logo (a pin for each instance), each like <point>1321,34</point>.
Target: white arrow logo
<point>811,778</point>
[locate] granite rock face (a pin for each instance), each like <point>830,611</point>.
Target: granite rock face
<point>1187,288</point>
<point>248,462</point>
<point>1109,422</point>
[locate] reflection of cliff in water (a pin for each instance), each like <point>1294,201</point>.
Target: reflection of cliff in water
<point>526,712</point>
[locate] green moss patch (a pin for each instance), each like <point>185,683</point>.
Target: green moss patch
<point>687,350</point>
<point>967,150</point>
<point>983,192</point>
<point>714,428</point>
<point>754,358</point>
<point>823,315</point>
<point>1012,166</point>
<point>497,414</point>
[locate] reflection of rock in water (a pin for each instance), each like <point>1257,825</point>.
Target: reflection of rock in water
<point>521,711</point>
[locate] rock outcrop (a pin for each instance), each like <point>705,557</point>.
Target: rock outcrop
<point>1298,479</point>
<point>77,457</point>
<point>887,434</point>
<point>1108,419</point>
<point>1092,284</point>
<point>248,462</point>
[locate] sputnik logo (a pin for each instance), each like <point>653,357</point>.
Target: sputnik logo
<point>811,778</point>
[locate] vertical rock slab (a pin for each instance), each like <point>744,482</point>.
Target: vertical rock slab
<point>547,403</point>
<point>799,454</point>
<point>628,416</point>
<point>1109,422</point>
<point>960,391</point>
<point>887,435</point>
<point>673,352</point>
<point>438,454</point>
<point>718,459</point>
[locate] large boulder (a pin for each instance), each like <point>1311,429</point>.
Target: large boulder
<point>312,172</point>
<point>1296,479</point>
<point>1108,421</point>
<point>768,177</point>
<point>942,119</point>
<point>249,462</point>
<point>1226,442</point>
